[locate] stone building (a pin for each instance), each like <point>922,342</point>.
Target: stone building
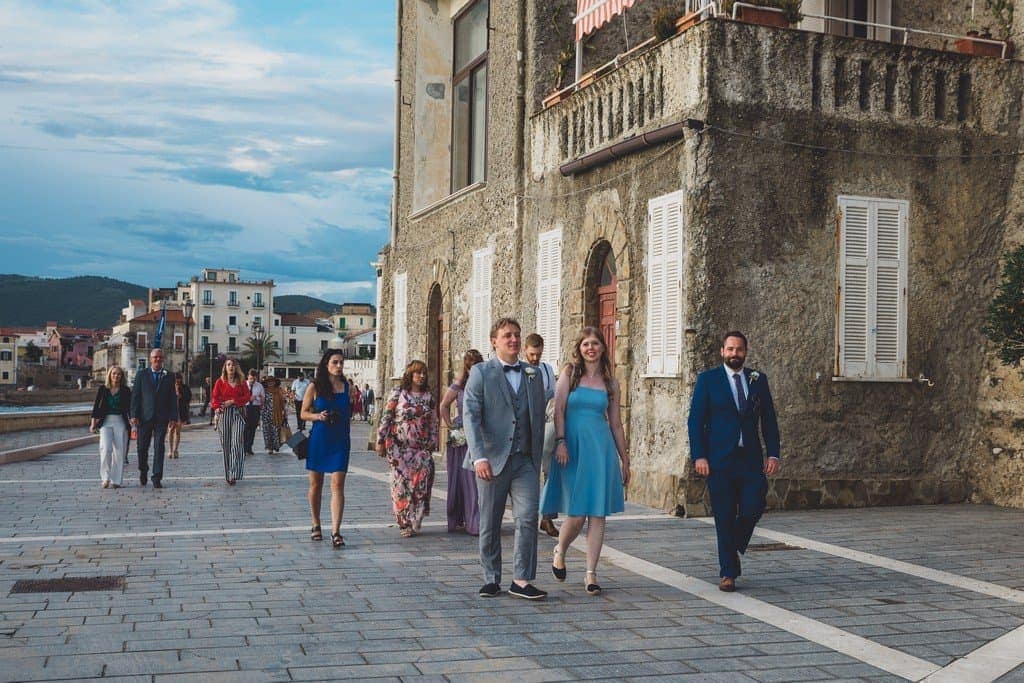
<point>843,196</point>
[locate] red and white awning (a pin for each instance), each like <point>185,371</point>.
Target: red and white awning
<point>593,14</point>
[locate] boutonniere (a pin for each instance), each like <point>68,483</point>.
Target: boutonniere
<point>754,375</point>
<point>530,371</point>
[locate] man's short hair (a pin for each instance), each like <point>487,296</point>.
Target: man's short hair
<point>504,322</point>
<point>734,333</point>
<point>253,373</point>
<point>534,340</point>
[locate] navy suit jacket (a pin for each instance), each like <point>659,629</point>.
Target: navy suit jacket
<point>154,401</point>
<point>715,423</point>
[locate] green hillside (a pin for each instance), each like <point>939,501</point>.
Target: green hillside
<point>299,303</point>
<point>86,301</point>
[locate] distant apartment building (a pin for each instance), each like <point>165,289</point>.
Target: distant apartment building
<point>360,344</point>
<point>227,310</point>
<point>8,357</point>
<point>135,336</point>
<point>354,318</point>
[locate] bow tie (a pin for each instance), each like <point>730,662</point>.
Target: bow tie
<point>512,368</point>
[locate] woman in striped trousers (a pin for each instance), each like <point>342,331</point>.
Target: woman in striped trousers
<point>230,394</point>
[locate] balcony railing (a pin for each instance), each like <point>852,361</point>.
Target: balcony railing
<point>233,303</point>
<point>257,304</point>
<point>208,302</point>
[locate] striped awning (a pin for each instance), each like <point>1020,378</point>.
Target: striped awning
<point>593,14</point>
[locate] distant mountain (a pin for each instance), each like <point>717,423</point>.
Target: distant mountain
<point>300,303</point>
<point>86,301</point>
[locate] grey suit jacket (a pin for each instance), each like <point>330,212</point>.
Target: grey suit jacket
<point>488,419</point>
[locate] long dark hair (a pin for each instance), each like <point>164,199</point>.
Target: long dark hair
<point>469,359</point>
<point>322,379</point>
<point>579,366</point>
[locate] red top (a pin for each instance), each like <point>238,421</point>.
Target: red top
<point>222,391</point>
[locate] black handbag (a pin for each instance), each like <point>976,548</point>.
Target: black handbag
<point>299,443</point>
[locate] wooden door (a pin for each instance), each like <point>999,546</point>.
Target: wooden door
<point>606,292</point>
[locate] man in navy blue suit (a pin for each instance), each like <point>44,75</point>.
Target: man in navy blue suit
<point>731,410</point>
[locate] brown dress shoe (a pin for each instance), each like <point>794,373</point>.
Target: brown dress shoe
<point>548,527</point>
<point>727,584</point>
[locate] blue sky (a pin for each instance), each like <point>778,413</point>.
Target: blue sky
<point>144,140</point>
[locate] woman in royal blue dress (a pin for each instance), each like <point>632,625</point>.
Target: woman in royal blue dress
<point>326,405</point>
<point>591,468</point>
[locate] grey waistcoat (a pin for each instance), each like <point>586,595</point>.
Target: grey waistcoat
<point>521,406</point>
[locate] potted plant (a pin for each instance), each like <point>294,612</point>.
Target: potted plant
<point>766,12</point>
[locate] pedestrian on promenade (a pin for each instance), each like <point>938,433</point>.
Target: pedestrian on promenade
<point>504,423</point>
<point>299,386</point>
<point>407,437</point>
<point>257,397</point>
<point>731,410</point>
<point>368,398</point>
<point>153,407</point>
<point>463,507</point>
<point>326,404</point>
<point>586,482</point>
<point>533,350</point>
<point>206,389</point>
<point>357,402</point>
<point>111,414</point>
<point>272,416</point>
<point>229,397</point>
<point>183,408</point>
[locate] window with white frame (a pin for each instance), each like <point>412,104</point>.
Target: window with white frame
<point>665,284</point>
<point>469,92</point>
<point>399,320</point>
<point>208,297</point>
<point>871,342</point>
<point>480,308</point>
<point>207,322</point>
<point>549,292</point>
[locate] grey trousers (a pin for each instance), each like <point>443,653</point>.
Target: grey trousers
<point>521,480</point>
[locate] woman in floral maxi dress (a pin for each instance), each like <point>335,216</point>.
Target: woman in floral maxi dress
<point>407,437</point>
<point>272,415</point>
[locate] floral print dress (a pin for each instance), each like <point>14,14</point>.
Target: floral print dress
<point>408,432</point>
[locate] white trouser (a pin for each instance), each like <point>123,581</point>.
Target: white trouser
<point>113,447</point>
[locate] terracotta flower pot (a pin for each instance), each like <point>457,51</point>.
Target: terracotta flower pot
<point>969,46</point>
<point>765,17</point>
<point>688,21</point>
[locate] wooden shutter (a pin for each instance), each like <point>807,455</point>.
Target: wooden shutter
<point>664,284</point>
<point>399,331</point>
<point>480,310</point>
<point>549,292</point>
<point>872,288</point>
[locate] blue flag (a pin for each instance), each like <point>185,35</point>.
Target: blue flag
<point>160,326</point>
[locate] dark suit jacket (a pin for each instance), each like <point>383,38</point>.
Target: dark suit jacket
<point>154,401</point>
<point>99,406</point>
<point>715,423</point>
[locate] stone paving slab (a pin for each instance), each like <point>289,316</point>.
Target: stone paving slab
<point>262,602</point>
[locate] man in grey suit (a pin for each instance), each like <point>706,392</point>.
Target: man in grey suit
<point>504,423</point>
<point>154,404</point>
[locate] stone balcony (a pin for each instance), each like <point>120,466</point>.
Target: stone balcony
<point>723,63</point>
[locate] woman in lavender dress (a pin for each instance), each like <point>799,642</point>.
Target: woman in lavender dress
<point>463,511</point>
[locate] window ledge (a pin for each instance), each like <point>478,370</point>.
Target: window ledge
<point>648,375</point>
<point>444,201</point>
<point>888,380</point>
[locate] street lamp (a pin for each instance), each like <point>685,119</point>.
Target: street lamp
<point>259,335</point>
<point>189,307</point>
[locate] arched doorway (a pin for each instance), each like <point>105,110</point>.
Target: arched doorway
<point>601,289</point>
<point>435,342</point>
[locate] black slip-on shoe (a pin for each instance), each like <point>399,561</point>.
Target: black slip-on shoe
<point>143,478</point>
<point>527,592</point>
<point>157,484</point>
<point>490,590</point>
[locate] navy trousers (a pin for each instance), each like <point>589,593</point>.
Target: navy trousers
<point>738,490</point>
<point>154,433</point>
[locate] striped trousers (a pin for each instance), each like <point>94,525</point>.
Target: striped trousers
<point>232,429</point>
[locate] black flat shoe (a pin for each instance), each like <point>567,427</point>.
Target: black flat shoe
<point>559,574</point>
<point>490,590</point>
<point>337,541</point>
<point>316,534</point>
<point>591,588</point>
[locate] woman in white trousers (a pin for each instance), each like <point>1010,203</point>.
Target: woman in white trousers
<point>110,416</point>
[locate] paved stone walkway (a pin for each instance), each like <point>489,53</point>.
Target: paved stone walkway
<point>222,584</point>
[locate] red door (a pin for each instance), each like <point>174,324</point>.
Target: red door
<point>606,303</point>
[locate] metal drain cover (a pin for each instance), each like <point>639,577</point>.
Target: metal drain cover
<point>771,547</point>
<point>75,584</point>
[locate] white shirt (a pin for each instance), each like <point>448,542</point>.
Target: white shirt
<point>258,394</point>
<point>299,386</point>
<point>514,378</point>
<point>729,372</point>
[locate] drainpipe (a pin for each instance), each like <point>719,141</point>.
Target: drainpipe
<point>397,147</point>
<point>519,155</point>
<point>656,137</point>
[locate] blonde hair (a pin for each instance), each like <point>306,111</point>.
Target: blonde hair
<point>110,372</point>
<point>239,376</point>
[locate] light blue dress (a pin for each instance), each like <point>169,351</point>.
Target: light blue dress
<point>590,484</point>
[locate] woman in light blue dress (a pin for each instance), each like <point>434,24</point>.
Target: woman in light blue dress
<point>591,468</point>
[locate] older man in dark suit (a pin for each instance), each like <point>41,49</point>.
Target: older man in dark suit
<point>154,404</point>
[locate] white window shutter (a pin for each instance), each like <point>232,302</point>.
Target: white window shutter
<point>480,304</point>
<point>664,284</point>
<point>873,288</point>
<point>853,292</point>
<point>549,292</point>
<point>399,328</point>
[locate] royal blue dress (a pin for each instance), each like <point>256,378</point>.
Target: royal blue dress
<point>590,484</point>
<point>329,444</point>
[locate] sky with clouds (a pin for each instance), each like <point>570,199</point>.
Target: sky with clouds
<point>145,140</point>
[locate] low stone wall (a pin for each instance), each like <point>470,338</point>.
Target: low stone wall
<point>20,422</point>
<point>44,397</point>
